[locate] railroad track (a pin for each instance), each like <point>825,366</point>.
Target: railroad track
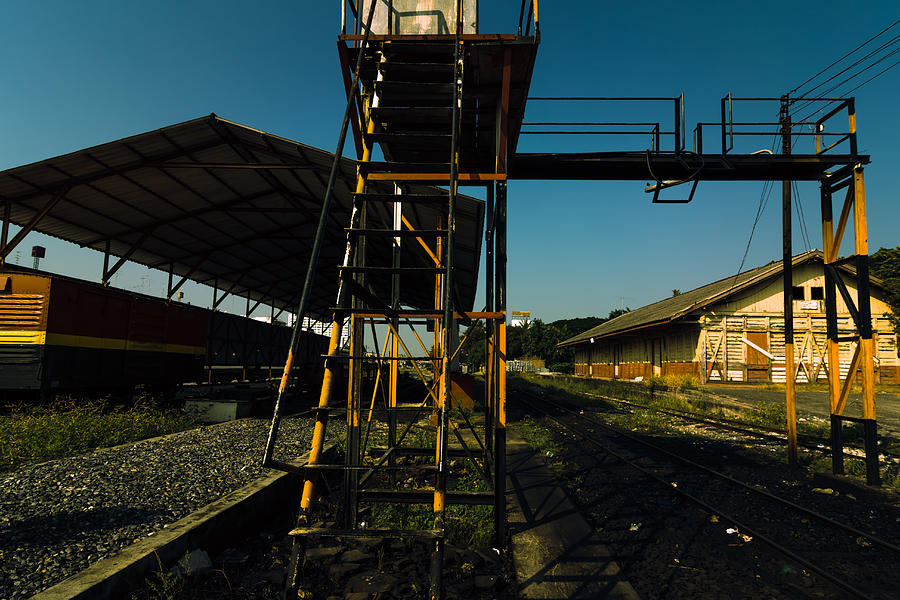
<point>844,559</point>
<point>750,429</point>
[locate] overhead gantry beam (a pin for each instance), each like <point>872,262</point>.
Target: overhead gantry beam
<point>646,166</point>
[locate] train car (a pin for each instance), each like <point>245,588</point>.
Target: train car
<point>59,334</point>
<point>239,348</point>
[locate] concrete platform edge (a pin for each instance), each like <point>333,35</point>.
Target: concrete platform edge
<point>210,528</point>
<point>556,553</point>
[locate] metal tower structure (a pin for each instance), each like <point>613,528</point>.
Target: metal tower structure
<point>442,104</point>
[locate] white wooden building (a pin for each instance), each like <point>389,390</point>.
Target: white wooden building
<point>733,330</point>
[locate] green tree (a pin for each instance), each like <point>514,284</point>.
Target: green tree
<point>885,265</point>
<point>472,352</point>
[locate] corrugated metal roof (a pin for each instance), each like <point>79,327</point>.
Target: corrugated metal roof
<point>686,302</point>
<point>167,199</point>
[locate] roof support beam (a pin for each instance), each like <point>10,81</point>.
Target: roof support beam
<point>124,258</point>
<point>185,277</point>
<point>109,171</point>
<point>7,206</point>
<point>216,302</point>
<point>6,248</point>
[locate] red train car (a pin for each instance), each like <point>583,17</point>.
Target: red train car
<point>63,334</point>
<point>59,333</point>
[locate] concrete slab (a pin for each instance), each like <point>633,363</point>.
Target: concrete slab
<point>556,552</point>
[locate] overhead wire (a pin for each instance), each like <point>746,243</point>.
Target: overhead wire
<point>811,101</point>
<point>877,35</point>
<point>804,232</point>
<point>890,42</point>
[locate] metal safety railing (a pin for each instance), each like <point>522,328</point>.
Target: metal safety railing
<point>653,129</point>
<point>803,128</point>
<point>526,18</point>
<point>350,11</point>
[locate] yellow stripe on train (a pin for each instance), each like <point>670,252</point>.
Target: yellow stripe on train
<point>9,337</point>
<point>21,337</point>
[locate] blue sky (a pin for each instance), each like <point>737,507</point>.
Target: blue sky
<point>79,74</point>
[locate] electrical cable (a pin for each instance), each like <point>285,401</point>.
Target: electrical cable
<point>846,80</point>
<point>801,217</point>
<point>667,184</point>
<point>845,69</point>
<point>882,72</point>
<point>889,27</point>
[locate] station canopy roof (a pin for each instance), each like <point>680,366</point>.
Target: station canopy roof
<point>226,205</point>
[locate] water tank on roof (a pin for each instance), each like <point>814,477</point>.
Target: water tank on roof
<point>420,17</point>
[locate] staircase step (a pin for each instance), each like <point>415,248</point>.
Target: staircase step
<point>403,233</point>
<point>416,71</point>
<point>326,467</point>
<point>425,87</point>
<point>433,50</point>
<point>424,496</point>
<point>403,167</point>
<point>413,534</point>
<point>390,270</point>
<point>405,198</point>
<point>411,138</point>
<point>413,114</point>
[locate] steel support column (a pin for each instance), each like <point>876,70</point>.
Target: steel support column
<point>4,236</point>
<point>499,335</point>
<point>862,364</point>
<point>6,248</point>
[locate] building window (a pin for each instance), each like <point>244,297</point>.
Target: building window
<point>798,292</point>
<point>817,293</point>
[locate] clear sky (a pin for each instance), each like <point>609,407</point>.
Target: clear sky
<point>77,74</point>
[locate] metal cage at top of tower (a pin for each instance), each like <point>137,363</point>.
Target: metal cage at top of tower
<point>425,17</point>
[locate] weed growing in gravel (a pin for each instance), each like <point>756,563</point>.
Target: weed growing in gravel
<point>66,428</point>
<point>471,526</point>
<point>538,437</point>
<point>644,421</point>
<point>768,414</point>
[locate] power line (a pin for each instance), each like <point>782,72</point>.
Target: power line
<point>889,27</point>
<point>861,60</point>
<point>801,217</point>
<point>846,80</point>
<point>874,76</point>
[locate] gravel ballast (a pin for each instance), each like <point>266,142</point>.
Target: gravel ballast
<point>59,517</point>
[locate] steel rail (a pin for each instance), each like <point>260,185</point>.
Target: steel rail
<point>704,505</point>
<point>778,499</point>
<point>773,433</point>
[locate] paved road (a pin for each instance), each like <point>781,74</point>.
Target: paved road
<point>887,405</point>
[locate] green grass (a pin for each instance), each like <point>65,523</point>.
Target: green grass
<point>64,428</point>
<point>465,526</point>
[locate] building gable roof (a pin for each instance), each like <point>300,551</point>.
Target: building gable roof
<point>669,309</point>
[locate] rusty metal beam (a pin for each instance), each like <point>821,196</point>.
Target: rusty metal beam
<point>29,227</point>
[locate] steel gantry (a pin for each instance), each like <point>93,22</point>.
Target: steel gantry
<point>444,105</point>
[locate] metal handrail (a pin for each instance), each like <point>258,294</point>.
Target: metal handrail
<point>728,133</point>
<point>303,304</point>
<point>533,13</point>
<point>655,132</point>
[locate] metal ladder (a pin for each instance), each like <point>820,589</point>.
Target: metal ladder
<point>426,131</point>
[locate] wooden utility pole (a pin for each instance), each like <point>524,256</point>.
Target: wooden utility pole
<point>789,369</point>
